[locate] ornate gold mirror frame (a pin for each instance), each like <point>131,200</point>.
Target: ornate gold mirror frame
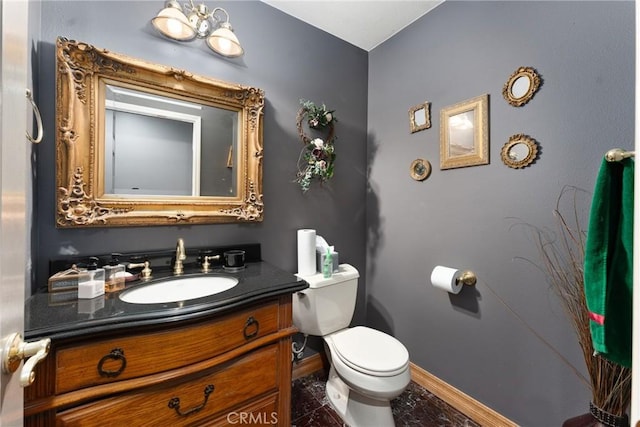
<point>420,117</point>
<point>521,86</point>
<point>82,73</point>
<point>520,151</point>
<point>420,169</point>
<point>464,133</point>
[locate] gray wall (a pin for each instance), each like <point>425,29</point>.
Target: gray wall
<point>289,60</point>
<point>468,217</point>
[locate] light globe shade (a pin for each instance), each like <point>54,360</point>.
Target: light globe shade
<point>172,23</point>
<point>225,42</point>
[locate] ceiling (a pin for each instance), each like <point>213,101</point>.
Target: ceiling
<point>363,23</point>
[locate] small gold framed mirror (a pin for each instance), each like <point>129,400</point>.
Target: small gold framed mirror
<point>420,117</point>
<point>420,169</point>
<point>521,86</point>
<point>520,151</point>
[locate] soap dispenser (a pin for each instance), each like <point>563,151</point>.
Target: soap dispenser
<point>114,274</point>
<point>91,281</point>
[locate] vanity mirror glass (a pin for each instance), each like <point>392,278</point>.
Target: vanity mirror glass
<point>157,146</point>
<point>145,144</point>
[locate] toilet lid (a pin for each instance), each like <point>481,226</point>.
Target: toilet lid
<point>371,352</point>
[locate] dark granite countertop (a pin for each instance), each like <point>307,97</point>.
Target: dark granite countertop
<point>63,315</point>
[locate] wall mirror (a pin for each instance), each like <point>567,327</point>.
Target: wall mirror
<point>144,144</point>
<point>419,117</point>
<point>420,169</point>
<point>521,86</point>
<point>520,151</point>
<point>464,133</point>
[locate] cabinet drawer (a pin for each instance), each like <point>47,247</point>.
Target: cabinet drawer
<point>263,412</point>
<point>186,401</point>
<point>138,355</point>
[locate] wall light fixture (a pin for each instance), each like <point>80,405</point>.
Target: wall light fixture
<point>190,21</point>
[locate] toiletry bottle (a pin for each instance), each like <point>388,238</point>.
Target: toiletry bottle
<point>114,274</point>
<point>91,281</point>
<point>327,265</point>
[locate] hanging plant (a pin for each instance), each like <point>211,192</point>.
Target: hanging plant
<point>318,155</point>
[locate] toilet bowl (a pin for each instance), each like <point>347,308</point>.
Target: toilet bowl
<point>370,361</point>
<point>368,367</point>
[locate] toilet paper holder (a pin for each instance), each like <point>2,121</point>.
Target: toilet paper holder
<point>467,277</point>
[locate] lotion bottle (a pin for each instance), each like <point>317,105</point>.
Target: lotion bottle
<point>91,281</point>
<point>114,274</point>
<point>327,265</point>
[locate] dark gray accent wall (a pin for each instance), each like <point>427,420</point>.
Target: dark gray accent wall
<point>286,58</point>
<point>508,356</point>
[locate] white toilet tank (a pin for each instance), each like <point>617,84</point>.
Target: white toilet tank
<point>327,305</point>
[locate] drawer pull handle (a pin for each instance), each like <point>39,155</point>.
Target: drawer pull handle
<point>252,323</point>
<point>116,354</point>
<point>174,403</point>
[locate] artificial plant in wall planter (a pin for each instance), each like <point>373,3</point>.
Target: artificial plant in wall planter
<point>316,161</point>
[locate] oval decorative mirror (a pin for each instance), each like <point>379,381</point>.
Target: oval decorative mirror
<point>420,169</point>
<point>145,144</point>
<point>521,86</point>
<point>520,151</point>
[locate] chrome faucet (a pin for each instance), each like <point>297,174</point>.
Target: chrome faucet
<point>180,256</point>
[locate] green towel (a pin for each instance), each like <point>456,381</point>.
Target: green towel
<point>608,262</point>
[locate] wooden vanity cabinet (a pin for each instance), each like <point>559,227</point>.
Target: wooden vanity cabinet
<point>232,368</point>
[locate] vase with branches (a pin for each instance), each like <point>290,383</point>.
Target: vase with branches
<point>562,260</point>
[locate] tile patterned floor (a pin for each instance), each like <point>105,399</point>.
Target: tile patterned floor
<point>415,407</point>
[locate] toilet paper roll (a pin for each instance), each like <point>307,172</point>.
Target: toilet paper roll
<point>306,252</point>
<point>445,278</point>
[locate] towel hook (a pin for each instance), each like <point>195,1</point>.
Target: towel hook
<point>38,117</point>
<point>618,154</point>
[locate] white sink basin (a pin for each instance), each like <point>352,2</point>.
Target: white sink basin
<point>179,289</point>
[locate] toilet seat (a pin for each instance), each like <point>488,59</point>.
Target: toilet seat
<point>370,351</point>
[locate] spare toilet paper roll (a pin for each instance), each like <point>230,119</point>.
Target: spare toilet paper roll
<point>445,278</point>
<point>306,252</point>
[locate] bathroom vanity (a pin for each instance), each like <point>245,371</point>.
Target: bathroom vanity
<point>218,360</point>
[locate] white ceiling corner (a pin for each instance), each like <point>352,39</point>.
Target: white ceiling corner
<point>363,23</point>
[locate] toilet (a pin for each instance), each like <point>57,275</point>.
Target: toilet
<point>368,367</point>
